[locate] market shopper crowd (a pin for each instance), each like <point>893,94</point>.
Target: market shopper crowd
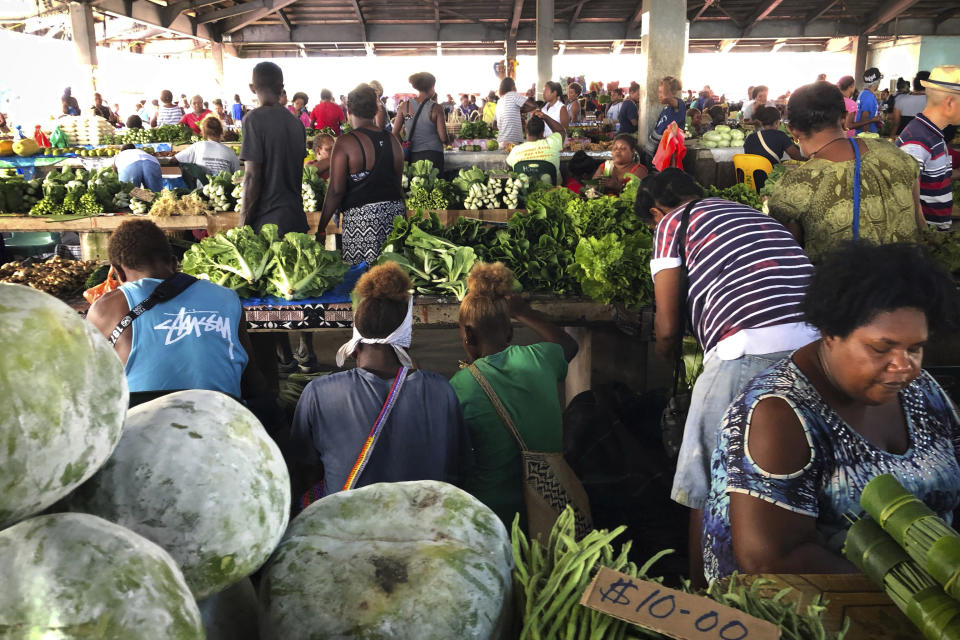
<point>813,320</point>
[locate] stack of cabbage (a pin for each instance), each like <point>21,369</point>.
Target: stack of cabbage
<point>723,136</point>
<point>173,501</point>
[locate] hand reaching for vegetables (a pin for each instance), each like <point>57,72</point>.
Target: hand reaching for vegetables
<point>518,306</point>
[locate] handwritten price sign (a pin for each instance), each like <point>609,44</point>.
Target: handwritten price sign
<point>670,612</point>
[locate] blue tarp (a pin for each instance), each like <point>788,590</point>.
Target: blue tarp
<point>337,295</point>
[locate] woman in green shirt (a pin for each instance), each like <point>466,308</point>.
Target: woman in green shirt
<point>525,378</point>
<point>815,200</point>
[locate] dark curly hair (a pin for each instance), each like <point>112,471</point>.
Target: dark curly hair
<point>138,244</point>
<point>858,281</point>
<point>362,101</point>
<point>668,188</point>
<point>814,107</point>
<point>383,294</point>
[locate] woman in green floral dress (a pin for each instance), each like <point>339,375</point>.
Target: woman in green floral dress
<point>815,200</point>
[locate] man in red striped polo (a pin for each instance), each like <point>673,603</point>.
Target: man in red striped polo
<point>923,139</point>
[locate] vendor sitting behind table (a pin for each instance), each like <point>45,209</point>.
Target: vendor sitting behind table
<point>196,116</point>
<point>197,340</point>
<point>209,154</point>
<point>138,167</point>
<point>613,174</point>
<point>322,151</point>
<point>537,147</point>
<point>769,141</point>
<point>798,445</point>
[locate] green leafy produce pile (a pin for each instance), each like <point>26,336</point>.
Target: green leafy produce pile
<point>737,193</point>
<point>562,245</point>
<point>476,130</point>
<point>250,263</point>
<point>471,189</point>
<point>16,194</point>
<point>550,578</point>
<point>773,178</point>
<point>436,266</point>
<point>172,133</point>
<point>78,191</point>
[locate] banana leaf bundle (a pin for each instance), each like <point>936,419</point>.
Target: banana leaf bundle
<point>931,542</point>
<point>913,590</point>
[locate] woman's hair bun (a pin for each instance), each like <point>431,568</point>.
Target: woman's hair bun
<point>385,281</point>
<point>491,279</point>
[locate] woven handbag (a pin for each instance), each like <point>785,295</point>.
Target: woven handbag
<point>549,484</point>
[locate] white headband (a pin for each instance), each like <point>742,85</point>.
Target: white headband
<point>399,340</point>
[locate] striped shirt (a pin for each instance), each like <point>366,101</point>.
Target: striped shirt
<point>925,142</point>
<point>746,271</point>
<point>509,122</point>
<point>169,115</point>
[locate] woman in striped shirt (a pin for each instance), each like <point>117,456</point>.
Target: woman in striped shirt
<point>746,281</point>
<point>168,113</point>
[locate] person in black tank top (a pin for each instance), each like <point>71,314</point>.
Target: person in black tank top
<point>366,168</point>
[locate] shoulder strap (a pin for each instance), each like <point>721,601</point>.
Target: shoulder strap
<point>495,401</point>
<point>766,147</point>
<point>684,286</point>
<point>416,119</point>
<point>856,189</point>
<point>367,450</point>
<point>166,290</point>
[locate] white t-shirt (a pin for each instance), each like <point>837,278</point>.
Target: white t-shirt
<point>751,108</point>
<point>614,112</point>
<point>126,158</point>
<point>553,112</point>
<point>212,156</point>
<point>509,123</point>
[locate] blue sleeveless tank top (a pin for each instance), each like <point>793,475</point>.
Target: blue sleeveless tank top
<point>190,342</point>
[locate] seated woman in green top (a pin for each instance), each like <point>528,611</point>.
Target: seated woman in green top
<point>524,377</point>
<point>815,200</point>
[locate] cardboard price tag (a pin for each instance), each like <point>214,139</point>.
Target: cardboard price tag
<point>673,613</point>
<point>142,194</point>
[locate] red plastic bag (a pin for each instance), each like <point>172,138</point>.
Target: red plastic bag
<point>40,137</point>
<point>112,283</point>
<point>671,151</point>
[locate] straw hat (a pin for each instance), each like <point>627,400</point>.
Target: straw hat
<point>944,78</point>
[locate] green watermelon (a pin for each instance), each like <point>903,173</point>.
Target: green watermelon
<point>196,473</point>
<point>232,613</point>
<point>64,397</point>
<point>73,575</point>
<point>397,560</point>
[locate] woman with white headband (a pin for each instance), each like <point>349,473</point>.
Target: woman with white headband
<point>385,420</point>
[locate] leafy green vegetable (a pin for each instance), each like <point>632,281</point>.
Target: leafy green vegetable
<point>737,193</point>
<point>773,178</point>
<point>615,270</point>
<point>437,267</point>
<point>302,268</point>
<point>261,263</point>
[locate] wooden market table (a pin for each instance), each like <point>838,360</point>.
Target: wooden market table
<point>596,327</point>
<point>95,231</point>
<point>872,614</point>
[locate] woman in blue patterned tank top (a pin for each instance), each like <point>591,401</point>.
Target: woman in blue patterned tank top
<point>798,445</point>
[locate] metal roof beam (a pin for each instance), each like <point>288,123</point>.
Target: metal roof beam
<point>285,20</point>
<point>701,10</point>
<point>817,13</point>
<point>762,12</point>
<point>360,20</point>
<point>239,22</point>
<point>576,12</point>
<point>229,12</point>
<point>172,11</point>
<point>454,32</point>
<point>890,11</point>
<point>515,21</point>
<point>153,15</point>
<point>635,17</point>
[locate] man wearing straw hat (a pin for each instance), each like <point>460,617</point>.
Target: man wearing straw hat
<point>923,139</point>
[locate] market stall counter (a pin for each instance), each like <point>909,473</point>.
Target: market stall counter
<point>454,161</point>
<point>711,166</point>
